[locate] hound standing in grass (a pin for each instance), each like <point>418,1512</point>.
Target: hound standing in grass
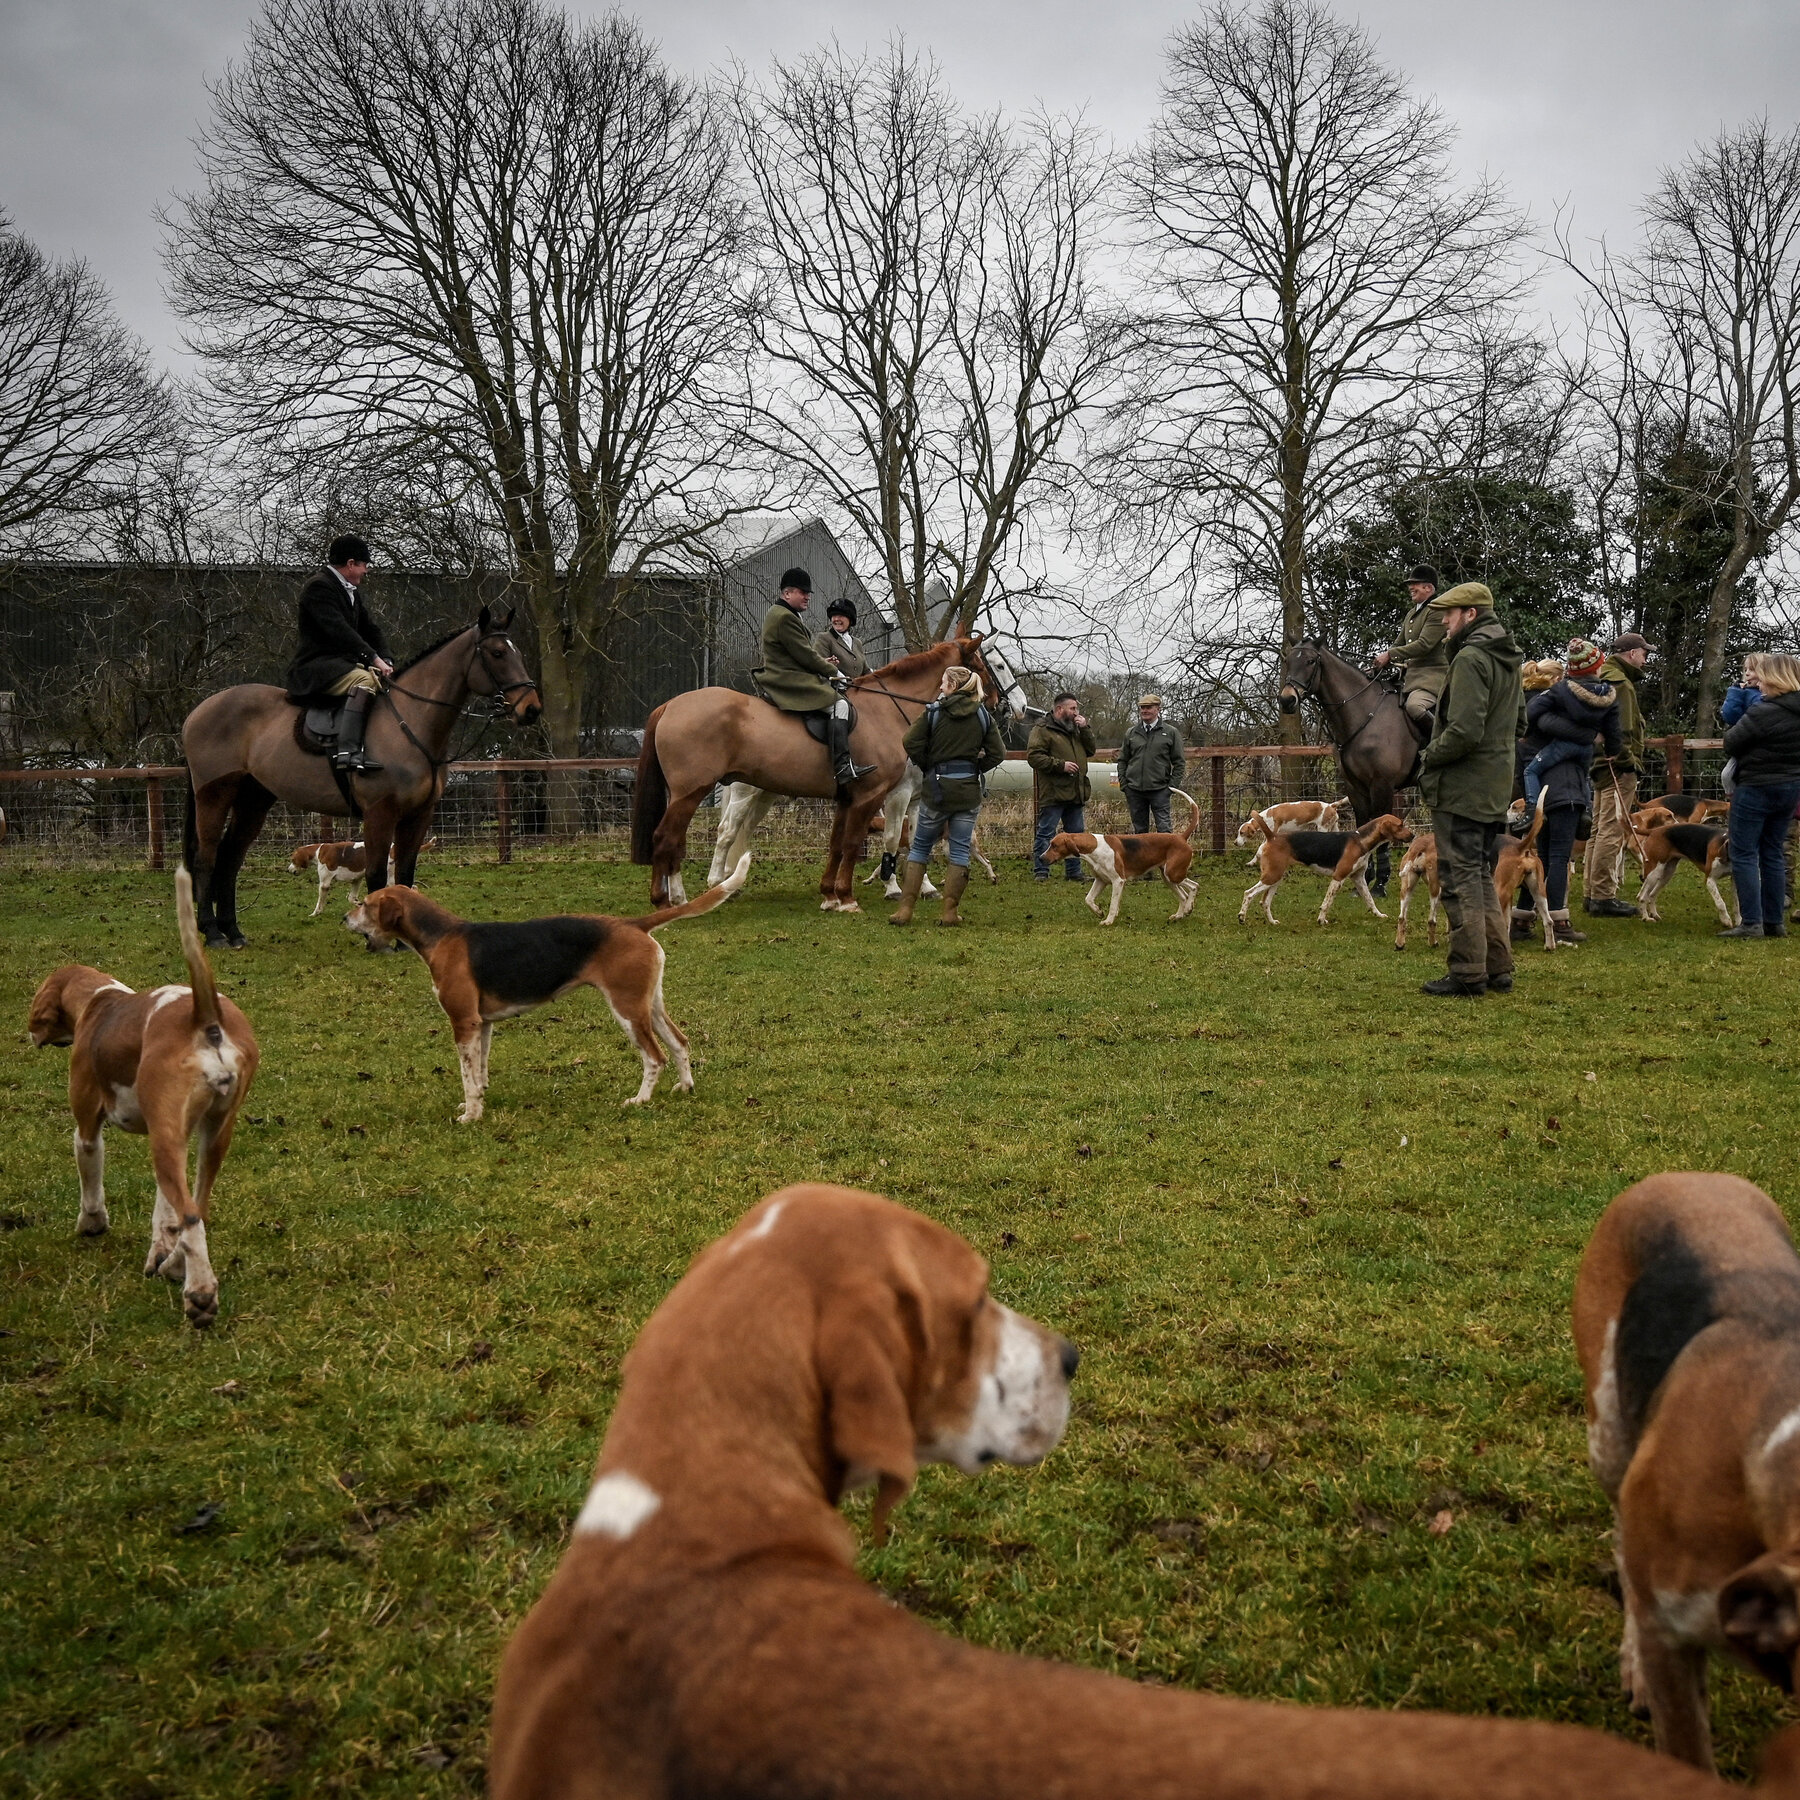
<point>484,973</point>
<point>170,1064</point>
<point>1343,855</point>
<point>1119,858</point>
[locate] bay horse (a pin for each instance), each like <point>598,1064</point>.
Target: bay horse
<point>1377,749</point>
<point>716,734</point>
<point>243,754</point>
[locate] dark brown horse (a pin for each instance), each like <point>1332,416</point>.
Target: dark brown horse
<point>1376,746</point>
<point>715,734</point>
<point>243,756</point>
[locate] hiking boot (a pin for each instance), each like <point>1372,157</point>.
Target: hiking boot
<point>1741,931</point>
<point>1524,928</point>
<point>1453,985</point>
<point>1500,984</point>
<point>910,883</point>
<point>1610,909</point>
<point>1563,933</point>
<point>956,878</point>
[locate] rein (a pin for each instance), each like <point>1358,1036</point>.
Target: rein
<point>496,702</point>
<point>1327,705</point>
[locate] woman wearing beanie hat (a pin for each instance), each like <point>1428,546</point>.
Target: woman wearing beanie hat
<point>1564,721</point>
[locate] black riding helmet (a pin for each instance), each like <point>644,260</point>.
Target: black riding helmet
<point>845,609</point>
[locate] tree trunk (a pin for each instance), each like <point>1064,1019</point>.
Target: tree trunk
<point>1292,587</point>
<point>560,675</point>
<point>1718,624</point>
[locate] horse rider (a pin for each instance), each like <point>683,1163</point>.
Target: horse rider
<point>342,653</point>
<point>955,740</point>
<point>836,644</point>
<point>1421,652</point>
<point>798,679</point>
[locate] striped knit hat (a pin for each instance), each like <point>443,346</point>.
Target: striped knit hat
<point>1584,658</point>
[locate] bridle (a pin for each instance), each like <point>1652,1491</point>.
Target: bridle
<point>867,684</point>
<point>498,700</point>
<point>1301,688</point>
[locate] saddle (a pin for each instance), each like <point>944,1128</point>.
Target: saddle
<point>818,724</point>
<point>316,725</point>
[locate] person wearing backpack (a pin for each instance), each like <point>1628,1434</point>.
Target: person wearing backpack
<point>955,740</point>
<point>1765,744</point>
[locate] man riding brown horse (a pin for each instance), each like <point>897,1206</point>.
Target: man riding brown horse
<point>342,652</point>
<point>798,679</point>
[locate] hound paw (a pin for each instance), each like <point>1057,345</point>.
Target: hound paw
<point>848,906</point>
<point>91,1224</point>
<point>201,1306</point>
<point>469,1115</point>
<point>828,904</point>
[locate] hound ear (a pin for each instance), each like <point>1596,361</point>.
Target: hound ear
<point>1760,1614</point>
<point>871,1339</point>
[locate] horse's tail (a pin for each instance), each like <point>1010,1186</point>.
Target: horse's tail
<point>190,829</point>
<point>650,795</point>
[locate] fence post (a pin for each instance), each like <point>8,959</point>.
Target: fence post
<point>153,800</point>
<point>503,812</point>
<point>1672,753</point>
<point>1218,804</point>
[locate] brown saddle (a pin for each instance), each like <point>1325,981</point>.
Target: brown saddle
<point>818,724</point>
<point>316,726</point>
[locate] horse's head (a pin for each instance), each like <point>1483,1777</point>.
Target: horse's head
<point>498,669</point>
<point>1299,674</point>
<point>969,654</point>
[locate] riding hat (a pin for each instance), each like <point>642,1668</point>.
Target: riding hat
<point>1423,572</point>
<point>348,548</point>
<point>796,578</point>
<point>1584,658</point>
<point>1465,593</point>
<point>847,608</point>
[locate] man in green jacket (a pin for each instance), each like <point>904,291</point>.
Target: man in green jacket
<point>1424,662</point>
<point>1151,761</point>
<point>1058,751</point>
<point>1466,778</point>
<point>1615,784</point>
<point>798,679</point>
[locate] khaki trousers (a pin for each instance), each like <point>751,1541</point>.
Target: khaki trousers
<point>1480,925</point>
<point>1611,838</point>
<point>358,679</point>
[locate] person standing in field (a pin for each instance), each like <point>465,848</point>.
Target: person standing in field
<point>1419,650</point>
<point>1058,751</point>
<point>1765,744</point>
<point>1466,778</point>
<point>1151,762</point>
<point>955,740</point>
<point>1615,784</point>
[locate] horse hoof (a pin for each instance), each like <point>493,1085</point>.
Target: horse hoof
<point>828,905</point>
<point>237,941</point>
<point>848,906</point>
<point>216,939</point>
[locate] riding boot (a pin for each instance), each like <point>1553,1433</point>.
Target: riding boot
<point>350,756</point>
<point>843,769</point>
<point>910,883</point>
<point>956,878</point>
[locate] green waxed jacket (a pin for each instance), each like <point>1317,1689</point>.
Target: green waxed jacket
<point>793,674</point>
<point>1425,663</point>
<point>952,733</point>
<point>1151,757</point>
<point>1630,759</point>
<point>1050,745</point>
<point>1467,768</point>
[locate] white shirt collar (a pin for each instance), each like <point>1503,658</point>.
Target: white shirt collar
<point>348,589</point>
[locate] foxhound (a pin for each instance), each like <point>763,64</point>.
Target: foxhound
<point>1120,858</point>
<point>1342,855</point>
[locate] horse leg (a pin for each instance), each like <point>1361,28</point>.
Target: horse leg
<point>409,836</point>
<point>835,853</point>
<point>250,806</point>
<point>669,848</point>
<point>209,815</point>
<point>1378,800</point>
<point>854,825</point>
<point>379,824</point>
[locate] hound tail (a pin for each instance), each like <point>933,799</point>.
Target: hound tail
<point>206,992</point>
<point>692,909</point>
<point>1187,836</point>
<point>1528,843</point>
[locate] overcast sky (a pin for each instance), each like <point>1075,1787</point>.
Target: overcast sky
<point>1577,101</point>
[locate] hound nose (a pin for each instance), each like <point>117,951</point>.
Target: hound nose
<point>1071,1360</point>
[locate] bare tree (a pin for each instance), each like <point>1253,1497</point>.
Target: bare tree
<point>472,237</point>
<point>928,320</point>
<point>78,402</point>
<point>1315,290</point>
<point>1719,273</point>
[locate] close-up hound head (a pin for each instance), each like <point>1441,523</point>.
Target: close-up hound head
<point>62,997</point>
<point>380,917</point>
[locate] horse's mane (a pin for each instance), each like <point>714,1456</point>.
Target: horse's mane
<point>915,662</point>
<point>435,645</point>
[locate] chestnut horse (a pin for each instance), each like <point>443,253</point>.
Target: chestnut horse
<point>714,734</point>
<point>242,757</point>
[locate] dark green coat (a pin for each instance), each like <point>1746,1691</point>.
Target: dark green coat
<point>1050,746</point>
<point>1467,768</point>
<point>955,735</point>
<point>1152,757</point>
<point>1424,662</point>
<point>793,674</point>
<point>1630,760</point>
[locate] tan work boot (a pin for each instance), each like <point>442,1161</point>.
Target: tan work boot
<point>911,880</point>
<point>955,880</point>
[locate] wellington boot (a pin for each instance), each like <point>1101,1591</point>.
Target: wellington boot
<point>955,880</point>
<point>911,881</point>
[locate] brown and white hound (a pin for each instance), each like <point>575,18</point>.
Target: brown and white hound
<point>1342,855</point>
<point>1687,1324</point>
<point>1663,844</point>
<point>1517,865</point>
<point>1290,815</point>
<point>484,972</point>
<point>707,1637</point>
<point>170,1065</point>
<point>1121,857</point>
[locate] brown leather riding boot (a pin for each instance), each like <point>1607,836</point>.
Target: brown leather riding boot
<point>910,882</point>
<point>956,879</point>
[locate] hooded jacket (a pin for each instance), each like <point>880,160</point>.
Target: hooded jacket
<point>1766,742</point>
<point>949,731</point>
<point>1630,759</point>
<point>1467,768</point>
<point>1568,783</point>
<point>1050,745</point>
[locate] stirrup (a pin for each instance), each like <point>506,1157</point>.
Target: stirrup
<point>355,762</point>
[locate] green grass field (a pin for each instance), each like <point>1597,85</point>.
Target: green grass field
<point>1315,1234</point>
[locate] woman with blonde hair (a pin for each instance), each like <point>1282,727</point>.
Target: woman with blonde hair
<point>955,740</point>
<point>1764,745</point>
